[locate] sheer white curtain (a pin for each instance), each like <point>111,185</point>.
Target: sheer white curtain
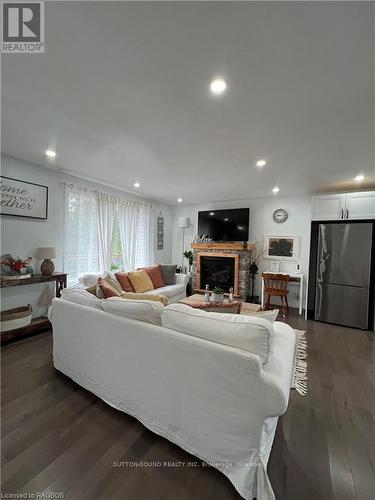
<point>80,253</point>
<point>145,255</point>
<point>107,206</point>
<point>135,223</point>
<point>128,219</point>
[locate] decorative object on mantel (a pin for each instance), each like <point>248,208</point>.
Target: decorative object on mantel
<point>19,317</point>
<point>160,232</point>
<point>13,269</point>
<point>45,299</point>
<point>183,223</point>
<point>47,253</point>
<point>23,199</point>
<point>281,247</point>
<point>280,215</point>
<point>202,238</point>
<point>217,294</point>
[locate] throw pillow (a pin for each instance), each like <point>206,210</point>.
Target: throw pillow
<point>155,276</point>
<point>168,271</point>
<point>124,281</point>
<point>92,289</point>
<point>223,307</point>
<point>111,280</point>
<point>145,296</point>
<point>140,281</point>
<point>107,289</point>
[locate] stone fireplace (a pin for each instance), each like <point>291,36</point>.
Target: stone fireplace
<point>223,265</point>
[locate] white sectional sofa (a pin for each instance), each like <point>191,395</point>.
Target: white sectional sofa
<point>174,293</point>
<point>213,384</point>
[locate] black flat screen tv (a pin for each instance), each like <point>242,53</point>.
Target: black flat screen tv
<point>225,225</point>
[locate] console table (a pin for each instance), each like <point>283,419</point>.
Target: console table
<point>37,324</point>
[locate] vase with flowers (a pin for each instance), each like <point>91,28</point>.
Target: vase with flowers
<point>13,268</point>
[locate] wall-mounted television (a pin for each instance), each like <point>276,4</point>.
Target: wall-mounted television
<point>225,225</point>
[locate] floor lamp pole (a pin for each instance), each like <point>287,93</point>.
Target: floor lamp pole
<point>182,251</point>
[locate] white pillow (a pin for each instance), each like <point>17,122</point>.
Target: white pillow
<point>141,310</point>
<point>81,296</point>
<point>89,278</point>
<point>248,333</point>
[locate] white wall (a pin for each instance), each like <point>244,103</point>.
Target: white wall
<point>21,237</point>
<point>261,224</point>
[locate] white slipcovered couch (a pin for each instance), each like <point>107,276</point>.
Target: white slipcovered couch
<point>174,293</point>
<point>172,370</point>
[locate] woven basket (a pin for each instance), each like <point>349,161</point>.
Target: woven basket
<point>15,318</point>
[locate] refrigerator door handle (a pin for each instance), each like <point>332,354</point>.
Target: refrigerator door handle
<point>340,213</point>
<point>347,213</point>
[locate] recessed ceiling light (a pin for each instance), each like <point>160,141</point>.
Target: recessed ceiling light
<point>218,86</point>
<point>261,163</point>
<point>50,153</point>
<point>226,220</point>
<point>359,178</point>
<point>212,213</point>
<point>179,200</point>
<point>136,185</point>
<point>276,189</point>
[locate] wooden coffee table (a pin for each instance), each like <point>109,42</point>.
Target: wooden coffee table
<point>246,308</point>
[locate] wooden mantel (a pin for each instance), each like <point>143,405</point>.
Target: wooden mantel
<point>225,245</point>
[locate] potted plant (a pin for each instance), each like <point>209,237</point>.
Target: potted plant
<point>218,294</point>
<point>188,254</point>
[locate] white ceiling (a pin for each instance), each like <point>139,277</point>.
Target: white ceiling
<point>122,94</point>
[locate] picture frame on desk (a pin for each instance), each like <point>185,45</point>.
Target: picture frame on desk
<point>274,266</point>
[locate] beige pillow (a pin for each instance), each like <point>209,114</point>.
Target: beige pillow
<point>141,281</point>
<point>145,296</point>
<point>111,280</point>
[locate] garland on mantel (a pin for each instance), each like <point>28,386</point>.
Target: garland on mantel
<point>299,380</point>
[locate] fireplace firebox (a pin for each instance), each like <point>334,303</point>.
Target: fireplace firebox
<point>217,271</point>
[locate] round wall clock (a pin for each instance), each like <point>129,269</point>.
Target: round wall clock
<point>280,215</point>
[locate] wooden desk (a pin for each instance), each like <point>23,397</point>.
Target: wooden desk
<point>293,277</point>
<point>37,324</point>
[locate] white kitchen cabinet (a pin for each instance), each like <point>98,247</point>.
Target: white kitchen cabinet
<point>328,207</point>
<point>344,206</point>
<point>360,205</point>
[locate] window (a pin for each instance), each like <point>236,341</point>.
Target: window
<point>117,255</point>
<point>80,232</point>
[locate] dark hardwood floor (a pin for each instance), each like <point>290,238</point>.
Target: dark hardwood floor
<point>57,437</point>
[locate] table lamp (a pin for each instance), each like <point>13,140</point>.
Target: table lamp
<point>47,253</point>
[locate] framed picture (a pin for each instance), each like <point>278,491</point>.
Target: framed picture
<point>281,247</point>
<point>23,199</point>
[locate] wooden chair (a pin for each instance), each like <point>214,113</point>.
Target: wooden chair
<point>276,284</point>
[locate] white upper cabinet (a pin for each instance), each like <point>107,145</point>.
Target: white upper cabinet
<point>361,205</point>
<point>328,207</point>
<point>346,206</point>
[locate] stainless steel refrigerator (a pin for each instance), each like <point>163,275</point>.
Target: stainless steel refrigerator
<point>343,274</point>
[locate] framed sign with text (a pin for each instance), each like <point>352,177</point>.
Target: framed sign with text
<point>23,199</point>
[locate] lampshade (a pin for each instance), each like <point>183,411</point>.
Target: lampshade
<point>184,222</point>
<point>46,253</point>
